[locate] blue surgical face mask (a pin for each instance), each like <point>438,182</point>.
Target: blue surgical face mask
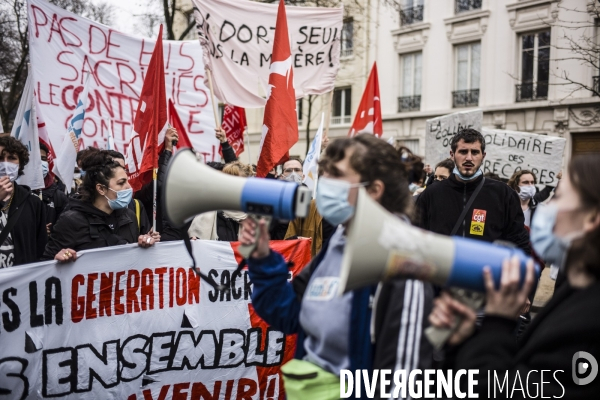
<point>82,172</point>
<point>123,199</point>
<point>526,192</point>
<point>9,169</point>
<point>45,168</point>
<point>551,248</point>
<point>468,178</point>
<point>332,200</point>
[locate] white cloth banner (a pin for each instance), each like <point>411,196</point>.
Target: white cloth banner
<point>510,151</point>
<point>310,168</point>
<point>440,131</point>
<point>64,46</point>
<point>26,131</point>
<point>237,40</point>
<point>127,323</point>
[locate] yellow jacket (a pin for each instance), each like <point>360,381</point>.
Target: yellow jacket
<point>309,227</point>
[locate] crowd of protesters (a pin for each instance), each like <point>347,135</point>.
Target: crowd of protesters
<point>376,327</point>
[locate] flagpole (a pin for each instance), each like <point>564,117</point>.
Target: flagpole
<point>328,114</point>
<point>212,98</point>
<point>154,180</point>
<point>248,145</point>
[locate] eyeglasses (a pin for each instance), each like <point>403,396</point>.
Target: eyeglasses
<point>290,170</point>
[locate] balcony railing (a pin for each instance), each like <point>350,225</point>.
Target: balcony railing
<point>411,15</point>
<point>409,103</point>
<point>339,120</point>
<point>346,52</point>
<point>465,98</point>
<point>467,5</point>
<point>530,91</point>
<point>597,86</point>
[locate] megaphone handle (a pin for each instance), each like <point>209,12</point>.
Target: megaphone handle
<point>246,249</point>
<point>439,336</point>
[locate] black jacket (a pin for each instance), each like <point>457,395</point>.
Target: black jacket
<point>29,233</point>
<point>568,324</point>
<point>144,224</point>
<point>228,153</point>
<point>56,202</point>
<point>440,205</point>
<point>146,196</point>
<point>84,227</point>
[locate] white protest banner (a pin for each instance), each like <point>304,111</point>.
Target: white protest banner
<point>127,323</point>
<point>65,46</point>
<point>440,130</point>
<point>237,39</point>
<point>511,151</point>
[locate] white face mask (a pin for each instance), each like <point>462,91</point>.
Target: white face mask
<point>526,192</point>
<point>9,169</point>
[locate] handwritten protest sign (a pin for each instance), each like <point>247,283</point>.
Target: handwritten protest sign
<point>65,47</point>
<point>127,323</point>
<point>237,39</point>
<point>440,130</point>
<point>511,151</point>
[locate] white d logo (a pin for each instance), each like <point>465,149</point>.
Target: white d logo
<point>580,368</point>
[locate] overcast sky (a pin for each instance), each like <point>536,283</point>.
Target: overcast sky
<point>126,16</point>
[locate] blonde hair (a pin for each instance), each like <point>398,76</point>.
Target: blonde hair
<point>237,168</point>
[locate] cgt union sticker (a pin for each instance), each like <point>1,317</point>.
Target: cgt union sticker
<point>478,222</point>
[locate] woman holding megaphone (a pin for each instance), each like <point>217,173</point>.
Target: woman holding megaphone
<point>564,338</point>
<point>338,332</point>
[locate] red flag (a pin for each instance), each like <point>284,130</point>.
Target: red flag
<point>280,124</point>
<point>368,115</point>
<point>150,122</point>
<point>234,125</point>
<point>184,141</point>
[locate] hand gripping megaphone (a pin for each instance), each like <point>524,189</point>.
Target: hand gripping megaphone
<point>192,188</point>
<point>380,246</point>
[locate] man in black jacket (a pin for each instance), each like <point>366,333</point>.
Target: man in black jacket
<point>25,241</point>
<point>55,199</point>
<point>495,213</point>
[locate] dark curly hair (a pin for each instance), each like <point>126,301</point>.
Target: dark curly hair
<point>13,146</point>
<point>100,167</point>
<point>469,136</point>
<point>374,159</point>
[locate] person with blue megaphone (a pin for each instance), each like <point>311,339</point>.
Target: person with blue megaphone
<point>564,338</point>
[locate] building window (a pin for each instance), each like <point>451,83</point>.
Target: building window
<point>411,12</point>
<point>467,5</point>
<point>411,82</point>
<point>299,111</point>
<point>347,37</point>
<point>535,66</point>
<point>467,75</point>
<point>341,106</point>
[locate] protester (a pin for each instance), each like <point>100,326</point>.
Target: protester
<point>100,217</point>
<point>135,205</point>
<point>221,225</point>
<point>291,172</point>
<point>523,182</point>
<point>566,232</point>
<point>333,331</point>
<point>443,169</point>
<point>226,149</point>
<point>146,193</point>
<point>55,199</point>
<point>313,226</point>
<point>23,215</point>
<point>494,213</point>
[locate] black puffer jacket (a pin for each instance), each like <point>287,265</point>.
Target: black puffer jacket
<point>29,233</point>
<point>85,227</point>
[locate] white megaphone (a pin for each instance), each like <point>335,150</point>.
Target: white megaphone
<point>191,188</point>
<point>380,246</point>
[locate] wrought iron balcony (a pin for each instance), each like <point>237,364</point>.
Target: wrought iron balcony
<point>410,15</point>
<point>465,98</point>
<point>467,5</point>
<point>597,86</point>
<point>409,103</point>
<point>340,120</point>
<point>530,91</point>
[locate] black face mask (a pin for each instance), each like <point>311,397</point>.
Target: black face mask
<point>270,176</point>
